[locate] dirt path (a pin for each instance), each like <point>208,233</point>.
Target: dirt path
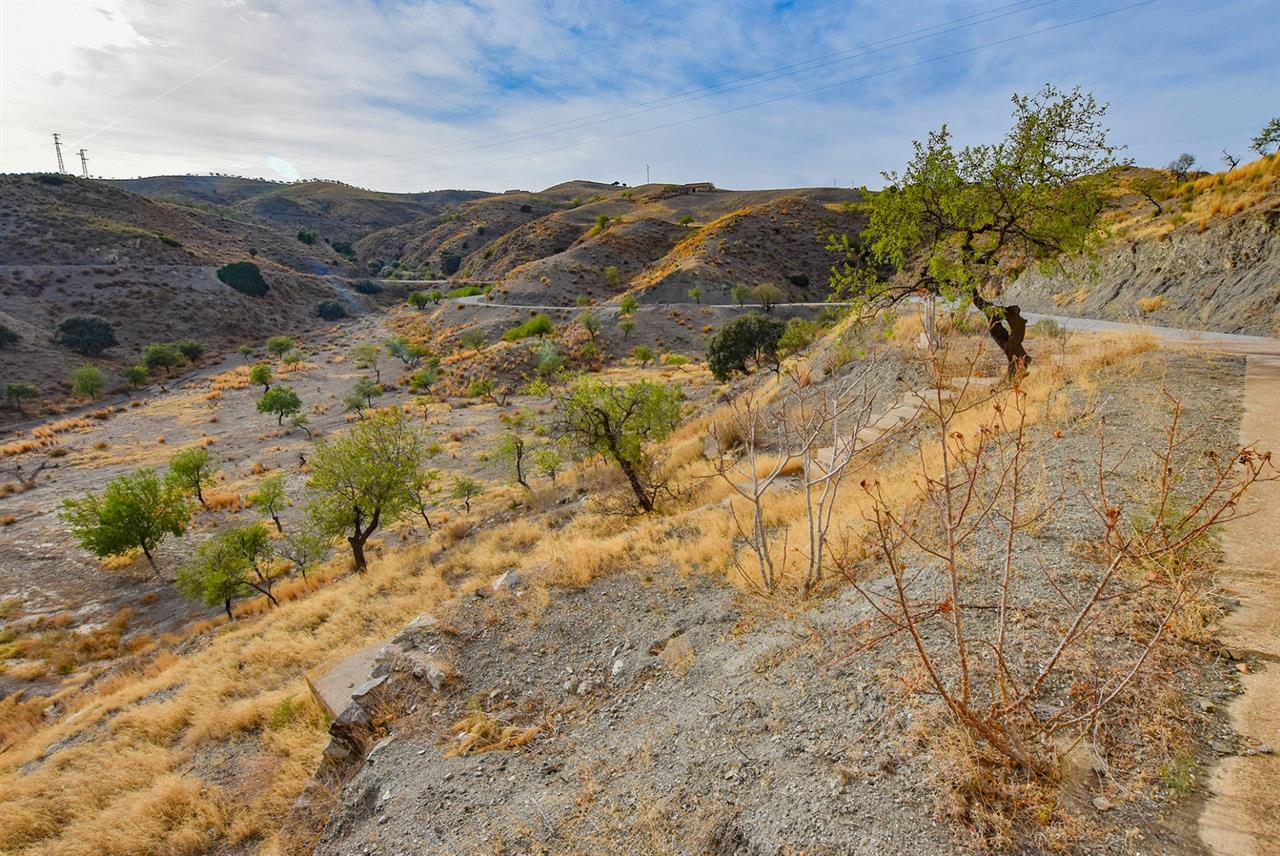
<point>1242,817</point>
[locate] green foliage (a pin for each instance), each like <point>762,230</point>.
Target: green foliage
<point>1047,328</point>
<point>481,387</point>
<point>798,335</point>
<point>628,305</point>
<point>673,359</point>
<point>362,395</point>
<point>261,373</point>
<point>16,393</point>
<point>799,280</point>
<point>740,293</point>
<point>465,489</point>
<point>135,375</point>
<point>407,352</point>
<point>191,349</point>
<point>86,334</point>
<point>244,277</point>
<point>278,346</point>
<point>304,549</point>
<point>87,381</point>
<point>626,325</point>
<point>450,263</point>
<point>330,310</point>
<point>435,296</point>
<point>160,357</point>
<point>366,479</point>
<point>293,358</point>
<point>270,498</point>
<point>538,325</point>
<point>134,510</point>
<point>749,338</point>
<point>418,299</point>
<point>695,294</point>
<point>1268,138</point>
<point>549,362</point>
<point>424,378</point>
<point>548,460</point>
<point>280,400</point>
<point>229,565</point>
<point>768,295</point>
<point>475,339</point>
<point>602,223</point>
<point>611,275</point>
<point>307,236</point>
<point>965,214</point>
<point>465,291</point>
<point>619,422</point>
<point>344,249</point>
<point>193,469</point>
<point>590,322</point>
<point>366,286</point>
<point>685,220</point>
<point>245,351</point>
<point>365,356</point>
<point>642,354</point>
<point>582,301</point>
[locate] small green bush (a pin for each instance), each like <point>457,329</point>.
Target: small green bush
<point>244,277</point>
<point>330,310</point>
<point>307,236</point>
<point>86,334</point>
<point>465,291</point>
<point>191,349</point>
<point>367,286</point>
<point>539,325</point>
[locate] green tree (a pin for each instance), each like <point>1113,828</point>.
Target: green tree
<point>135,375</point>
<point>475,339</point>
<point>611,275</point>
<point>748,338</point>
<point>362,395</point>
<point>293,358</point>
<point>965,222</point>
<point>280,400</point>
<point>1268,138</point>
<point>513,449</point>
<point>740,293</point>
<point>695,294</point>
<point>244,277</point>
<point>465,489</point>
<point>409,353</point>
<point>483,387</point>
<point>590,322</point>
<point>548,460</point>
<point>160,357</point>
<point>642,354</point>
<point>86,334</point>
<point>768,295</point>
<point>424,378</point>
<point>798,335</point>
<point>16,393</point>
<point>365,356</point>
<point>193,469</point>
<point>191,350</point>
<point>619,422</point>
<point>538,325</point>
<point>261,373</point>
<point>628,305</point>
<point>270,499</point>
<point>626,325</point>
<point>87,381</point>
<point>435,296</point>
<point>229,565</point>
<point>278,346</point>
<point>245,351</point>
<point>418,299</point>
<point>304,549</point>
<point>134,510</point>
<point>366,479</point>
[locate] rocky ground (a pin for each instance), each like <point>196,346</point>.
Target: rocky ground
<point>656,712</point>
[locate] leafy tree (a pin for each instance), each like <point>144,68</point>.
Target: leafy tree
<point>193,469</point>
<point>365,356</point>
<point>748,338</point>
<point>362,395</point>
<point>160,357</point>
<point>642,354</point>
<point>330,310</point>
<point>465,489</point>
<point>695,294</point>
<point>798,335</point>
<point>261,373</point>
<point>1154,188</point>
<point>626,325</point>
<point>191,349</point>
<point>418,299</point>
<point>424,378</point>
<point>590,322</point>
<point>366,479</point>
<point>245,351</point>
<point>135,375</point>
<point>86,334</point>
<point>409,353</point>
<point>1268,138</point>
<point>548,460</point>
<point>768,295</point>
<point>435,296</point>
<point>549,362</point>
<point>227,566</point>
<point>134,510</point>
<point>538,325</point>
<point>278,346</point>
<point>280,400</point>
<point>87,381</point>
<point>270,499</point>
<point>244,277</point>
<point>304,549</point>
<point>628,305</point>
<point>475,339</point>
<point>740,293</point>
<point>483,387</point>
<point>1181,166</point>
<point>685,220</point>
<point>961,224</point>
<point>307,236</point>
<point>513,448</point>
<point>293,357</point>
<point>618,422</point>
<point>16,393</point>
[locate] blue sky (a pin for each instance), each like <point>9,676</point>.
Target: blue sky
<point>496,94</point>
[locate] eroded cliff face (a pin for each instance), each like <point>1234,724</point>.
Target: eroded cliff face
<point>1225,278</point>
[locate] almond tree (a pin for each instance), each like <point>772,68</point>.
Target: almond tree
<point>137,510</point>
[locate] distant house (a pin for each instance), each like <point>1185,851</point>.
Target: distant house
<point>696,187</point>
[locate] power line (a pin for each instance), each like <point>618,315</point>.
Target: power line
<point>811,91</point>
<point>768,76</point>
<point>84,164</point>
<point>57,147</point>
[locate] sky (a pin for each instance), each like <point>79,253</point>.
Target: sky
<point>502,94</point>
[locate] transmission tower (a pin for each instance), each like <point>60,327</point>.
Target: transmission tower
<point>57,147</point>
<point>84,164</point>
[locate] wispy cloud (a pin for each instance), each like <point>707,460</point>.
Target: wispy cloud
<point>410,96</point>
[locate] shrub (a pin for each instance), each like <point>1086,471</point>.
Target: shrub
<point>86,334</point>
<point>344,248</point>
<point>191,349</point>
<point>418,299</point>
<point>449,263</point>
<point>423,379</point>
<point>244,277</point>
<point>475,339</point>
<point>135,375</point>
<point>87,381</point>
<point>797,336</point>
<point>367,286</point>
<point>628,305</point>
<point>685,220</point>
<point>768,295</point>
<point>330,310</point>
<point>278,346</point>
<point>642,354</point>
<point>751,337</point>
<point>1047,328</point>
<point>799,280</point>
<point>161,356</point>
<point>16,393</point>
<point>466,291</point>
<point>307,236</point>
<point>261,373</point>
<point>539,325</point>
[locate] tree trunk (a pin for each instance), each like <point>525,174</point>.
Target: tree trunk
<point>357,552</point>
<point>636,486</point>
<point>1008,329</point>
<point>276,519</point>
<point>227,605</point>
<point>150,560</point>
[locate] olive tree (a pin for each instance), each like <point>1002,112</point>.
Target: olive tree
<point>960,224</point>
<point>618,422</point>
<point>366,479</point>
<point>193,469</point>
<point>137,510</point>
<point>751,338</point>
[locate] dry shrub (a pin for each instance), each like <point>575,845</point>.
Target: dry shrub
<point>120,560</point>
<point>7,519</point>
<point>479,732</point>
<point>223,501</point>
<point>1151,304</point>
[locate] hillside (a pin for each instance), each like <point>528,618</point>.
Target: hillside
<point>1204,253</point>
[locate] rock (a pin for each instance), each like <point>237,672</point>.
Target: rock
<point>1207,706</point>
<point>379,746</point>
<point>677,655</point>
<point>338,750</point>
<point>1103,804</point>
<point>1266,749</point>
<point>415,631</point>
<point>617,667</point>
<point>508,581</point>
<point>1222,747</point>
<point>362,691</point>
